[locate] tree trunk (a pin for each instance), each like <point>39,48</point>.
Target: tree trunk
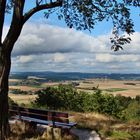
<point>5,64</point>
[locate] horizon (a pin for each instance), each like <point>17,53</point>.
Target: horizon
<point>68,72</point>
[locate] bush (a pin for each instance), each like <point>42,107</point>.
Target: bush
<point>65,97</point>
<point>132,112</point>
<point>62,97</point>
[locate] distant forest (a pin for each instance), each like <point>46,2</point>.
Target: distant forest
<point>59,76</point>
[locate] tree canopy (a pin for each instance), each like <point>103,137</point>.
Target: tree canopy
<point>81,14</point>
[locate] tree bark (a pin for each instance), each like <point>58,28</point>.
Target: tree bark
<point>5,64</point>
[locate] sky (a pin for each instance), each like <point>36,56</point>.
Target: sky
<point>48,45</point>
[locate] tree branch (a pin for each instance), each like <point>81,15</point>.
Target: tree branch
<point>2,16</point>
<point>41,7</point>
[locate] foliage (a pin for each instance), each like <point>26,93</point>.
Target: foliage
<point>136,135</point>
<point>84,14</point>
<point>65,97</point>
<point>132,112</point>
<point>120,135</point>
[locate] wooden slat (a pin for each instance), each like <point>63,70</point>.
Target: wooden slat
<point>60,117</point>
<point>41,116</point>
<point>46,122</point>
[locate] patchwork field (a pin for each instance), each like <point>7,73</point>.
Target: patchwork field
<point>125,88</point>
<point>115,87</point>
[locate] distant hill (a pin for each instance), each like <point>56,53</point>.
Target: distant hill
<point>59,76</point>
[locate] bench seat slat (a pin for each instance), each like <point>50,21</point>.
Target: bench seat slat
<point>60,124</point>
<point>45,117</point>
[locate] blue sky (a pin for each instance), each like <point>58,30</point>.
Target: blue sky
<point>48,45</point>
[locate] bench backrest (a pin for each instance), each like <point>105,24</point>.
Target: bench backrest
<point>48,115</point>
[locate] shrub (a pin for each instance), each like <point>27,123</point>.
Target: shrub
<point>65,97</point>
<point>62,97</point>
<point>132,112</point>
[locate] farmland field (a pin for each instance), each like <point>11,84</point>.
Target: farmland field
<point>123,87</point>
<point>26,99</point>
<point>115,87</point>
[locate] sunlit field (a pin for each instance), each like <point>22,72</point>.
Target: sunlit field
<point>115,87</point>
<point>25,99</point>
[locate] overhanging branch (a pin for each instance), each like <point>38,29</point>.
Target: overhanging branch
<point>41,7</point>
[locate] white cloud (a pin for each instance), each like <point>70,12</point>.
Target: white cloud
<point>43,38</point>
<point>52,48</point>
<point>58,57</point>
<point>106,58</point>
<point>25,59</point>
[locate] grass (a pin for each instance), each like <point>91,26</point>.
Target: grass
<point>114,89</point>
<point>93,120</point>
<point>121,135</point>
<point>124,135</point>
<point>108,127</point>
<point>20,131</point>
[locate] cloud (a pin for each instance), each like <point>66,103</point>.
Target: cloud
<point>43,47</point>
<point>106,58</point>
<point>58,57</point>
<point>43,38</point>
<point>25,59</point>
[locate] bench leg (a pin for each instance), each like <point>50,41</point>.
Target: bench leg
<point>52,133</point>
<point>30,127</point>
<point>57,133</point>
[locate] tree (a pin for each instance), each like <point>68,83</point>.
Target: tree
<point>79,14</point>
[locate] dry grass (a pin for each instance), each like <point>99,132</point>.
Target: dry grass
<point>53,84</point>
<point>107,126</point>
<point>26,99</point>
<point>24,88</point>
<point>19,131</point>
<point>14,80</point>
<point>93,120</point>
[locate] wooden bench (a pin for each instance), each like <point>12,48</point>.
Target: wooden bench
<point>45,117</point>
